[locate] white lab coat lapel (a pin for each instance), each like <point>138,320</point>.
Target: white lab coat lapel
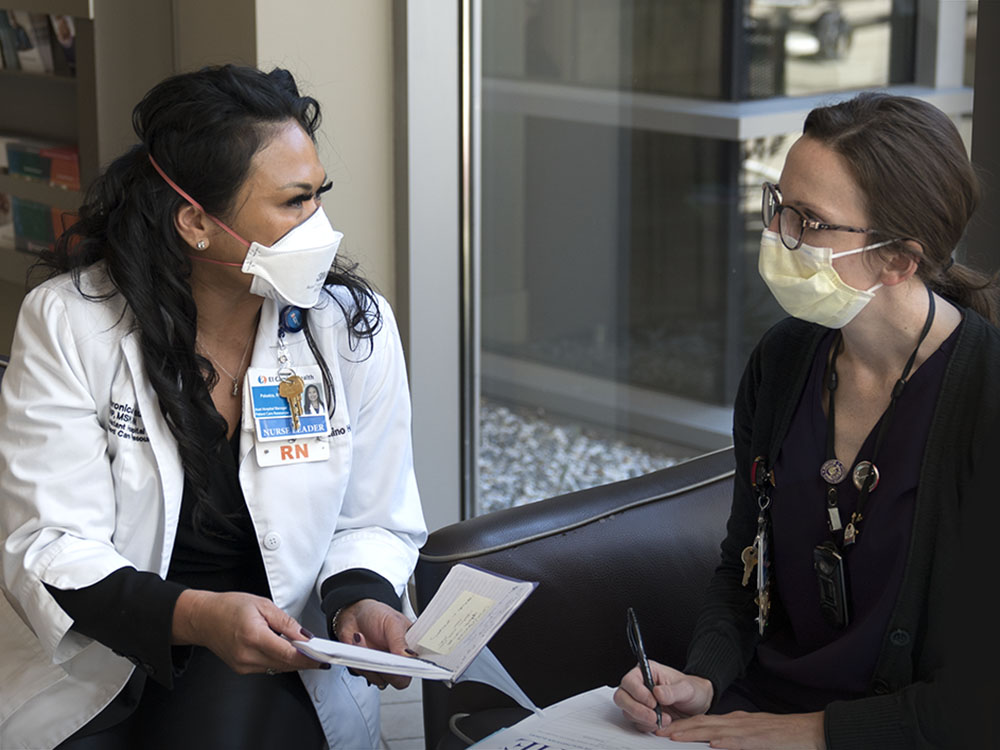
<point>163,445</point>
<point>267,489</point>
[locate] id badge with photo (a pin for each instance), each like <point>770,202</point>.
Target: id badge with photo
<point>290,423</point>
<point>272,403</point>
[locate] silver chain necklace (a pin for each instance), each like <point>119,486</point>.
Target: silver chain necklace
<point>234,378</point>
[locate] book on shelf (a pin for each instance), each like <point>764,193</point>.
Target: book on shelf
<point>63,44</point>
<point>35,227</point>
<point>34,41</point>
<point>37,42</point>
<point>33,231</point>
<point>4,140</point>
<point>6,221</point>
<point>56,164</point>
<point>8,42</point>
<point>64,166</point>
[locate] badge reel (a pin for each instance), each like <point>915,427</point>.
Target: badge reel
<point>290,421</point>
<point>829,566</point>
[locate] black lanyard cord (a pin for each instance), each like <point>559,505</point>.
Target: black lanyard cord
<point>897,391</point>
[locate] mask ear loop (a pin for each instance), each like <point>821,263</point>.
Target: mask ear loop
<point>197,205</point>
<point>834,256</point>
<point>879,284</point>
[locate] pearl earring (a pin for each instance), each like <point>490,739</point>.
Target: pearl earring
<point>202,244</point>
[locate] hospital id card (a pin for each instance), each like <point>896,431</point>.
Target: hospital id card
<point>272,412</point>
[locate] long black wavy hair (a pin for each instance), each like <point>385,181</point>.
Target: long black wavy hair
<point>203,128</point>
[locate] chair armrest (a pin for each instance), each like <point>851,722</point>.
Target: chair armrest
<point>651,542</point>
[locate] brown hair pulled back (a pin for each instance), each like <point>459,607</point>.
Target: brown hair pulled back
<point>911,165</point>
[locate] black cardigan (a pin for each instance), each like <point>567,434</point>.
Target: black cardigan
<point>909,698</point>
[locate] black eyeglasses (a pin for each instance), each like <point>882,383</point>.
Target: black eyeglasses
<point>792,224</point>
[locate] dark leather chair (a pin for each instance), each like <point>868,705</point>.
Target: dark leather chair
<point>651,543</point>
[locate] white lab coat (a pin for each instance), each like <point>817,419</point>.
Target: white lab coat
<point>91,481</point>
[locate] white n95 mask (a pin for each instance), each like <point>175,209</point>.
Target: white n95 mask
<point>293,269</point>
<point>807,286</point>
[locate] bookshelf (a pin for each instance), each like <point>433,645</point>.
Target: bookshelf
<point>123,47</point>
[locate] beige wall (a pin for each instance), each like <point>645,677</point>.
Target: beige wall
<point>340,52</point>
<point>211,33</point>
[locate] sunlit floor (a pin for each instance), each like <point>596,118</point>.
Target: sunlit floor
<point>402,720</point>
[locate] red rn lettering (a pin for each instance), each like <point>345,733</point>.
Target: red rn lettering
<point>291,452</point>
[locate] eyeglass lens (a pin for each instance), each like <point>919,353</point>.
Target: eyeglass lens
<point>790,221</point>
<point>768,205</point>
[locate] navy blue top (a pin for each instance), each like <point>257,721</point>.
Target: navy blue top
<point>804,663</point>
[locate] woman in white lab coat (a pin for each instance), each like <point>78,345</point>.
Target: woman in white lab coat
<point>169,517</point>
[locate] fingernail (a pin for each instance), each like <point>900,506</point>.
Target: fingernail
<point>357,637</point>
<point>325,666</point>
<point>410,652</point>
<point>306,633</point>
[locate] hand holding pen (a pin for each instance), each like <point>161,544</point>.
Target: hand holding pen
<point>635,641</point>
<point>676,693</point>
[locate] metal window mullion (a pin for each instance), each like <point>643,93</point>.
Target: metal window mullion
<point>470,248</point>
<point>940,43</point>
<point>428,231</point>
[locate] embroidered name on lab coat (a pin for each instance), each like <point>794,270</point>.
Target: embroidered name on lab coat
<point>125,421</point>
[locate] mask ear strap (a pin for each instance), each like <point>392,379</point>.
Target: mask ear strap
<point>862,249</point>
<point>193,202</point>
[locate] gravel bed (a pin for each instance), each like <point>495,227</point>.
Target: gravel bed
<point>527,454</point>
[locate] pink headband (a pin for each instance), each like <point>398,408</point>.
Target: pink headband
<point>192,201</point>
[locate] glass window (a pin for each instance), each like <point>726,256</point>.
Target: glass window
<point>798,47</point>
<point>674,47</point>
<point>710,49</point>
<point>619,296</point>
<point>971,19</point>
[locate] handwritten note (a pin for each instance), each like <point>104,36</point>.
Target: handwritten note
<point>468,608</point>
<point>450,636</point>
<point>456,622</point>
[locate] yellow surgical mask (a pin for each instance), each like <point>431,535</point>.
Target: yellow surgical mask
<point>806,284</point>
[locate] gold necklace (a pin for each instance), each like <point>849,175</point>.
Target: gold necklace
<point>234,378</point>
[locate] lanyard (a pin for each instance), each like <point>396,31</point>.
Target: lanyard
<point>865,475</point>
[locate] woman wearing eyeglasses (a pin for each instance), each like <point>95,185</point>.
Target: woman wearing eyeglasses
<point>867,425</point>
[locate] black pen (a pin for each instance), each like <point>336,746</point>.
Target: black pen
<point>635,641</point>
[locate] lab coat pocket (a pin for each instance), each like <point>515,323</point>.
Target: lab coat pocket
<point>25,670</point>
<point>366,698</point>
<point>138,495</point>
